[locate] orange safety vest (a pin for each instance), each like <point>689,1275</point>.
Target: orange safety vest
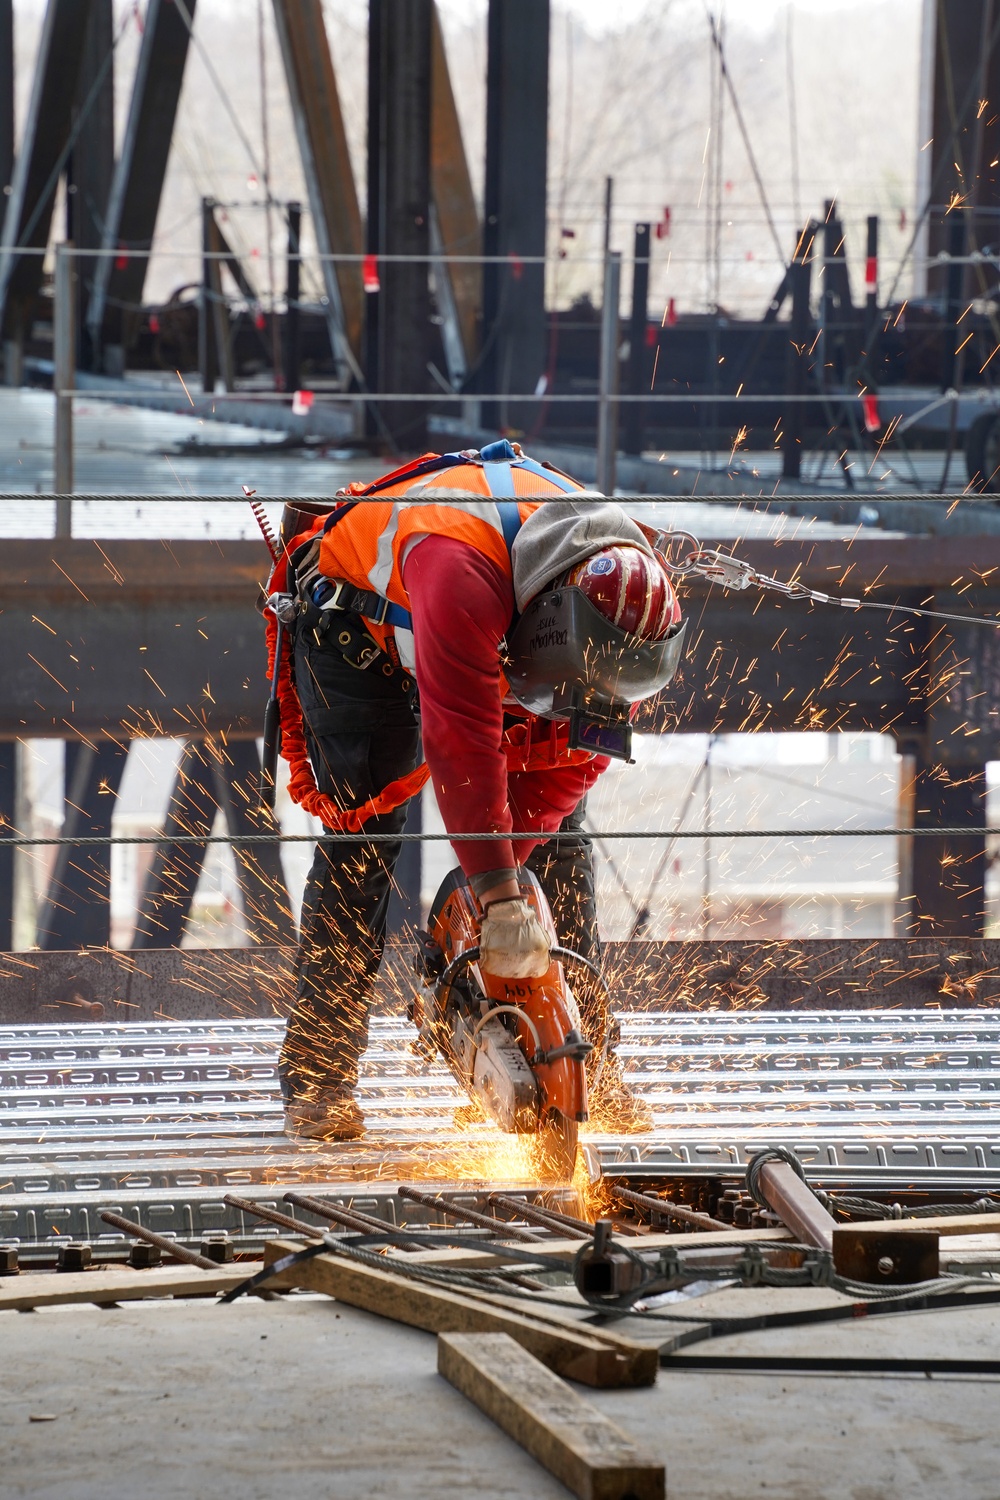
<point>365,545</point>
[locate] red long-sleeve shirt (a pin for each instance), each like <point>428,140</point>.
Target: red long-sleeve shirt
<point>462,604</point>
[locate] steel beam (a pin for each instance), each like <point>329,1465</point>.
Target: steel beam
<point>137,186</point>
<point>517,103</point>
<point>399,136</point>
<point>42,154</point>
<point>326,166</point>
<point>719,984</point>
<point>76,909</point>
<point>91,164</point>
<point>112,640</point>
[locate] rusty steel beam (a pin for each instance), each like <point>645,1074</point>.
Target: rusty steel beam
<point>138,637</point>
<point>796,1205</point>
<point>326,164</point>
<point>790,976</point>
<point>28,218</point>
<point>457,228</point>
<point>137,185</point>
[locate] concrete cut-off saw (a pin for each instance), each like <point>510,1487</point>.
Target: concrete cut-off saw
<point>514,1045</point>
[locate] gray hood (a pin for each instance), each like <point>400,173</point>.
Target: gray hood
<point>563,532</point>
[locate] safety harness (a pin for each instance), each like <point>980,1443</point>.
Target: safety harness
<point>338,598</point>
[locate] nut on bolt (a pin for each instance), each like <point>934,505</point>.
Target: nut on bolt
<point>141,1256</point>
<point>218,1247</point>
<point>8,1260</point>
<point>75,1255</point>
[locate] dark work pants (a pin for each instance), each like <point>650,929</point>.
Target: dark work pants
<point>362,734</point>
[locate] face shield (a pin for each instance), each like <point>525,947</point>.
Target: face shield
<point>566,660</point>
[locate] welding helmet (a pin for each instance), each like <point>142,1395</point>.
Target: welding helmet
<point>605,635</point>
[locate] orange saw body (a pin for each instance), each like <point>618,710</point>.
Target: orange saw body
<point>514,1045</point>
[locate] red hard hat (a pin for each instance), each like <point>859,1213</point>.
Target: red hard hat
<point>630,588</point>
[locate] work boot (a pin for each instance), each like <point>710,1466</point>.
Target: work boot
<point>614,1106</point>
<point>329,1119</point>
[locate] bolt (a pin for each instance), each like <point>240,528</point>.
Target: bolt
<point>141,1256</point>
<point>8,1260</point>
<point>886,1265</point>
<point>218,1247</point>
<point>75,1255</point>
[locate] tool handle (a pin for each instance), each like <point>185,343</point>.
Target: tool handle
<point>267,788</point>
<point>269,756</point>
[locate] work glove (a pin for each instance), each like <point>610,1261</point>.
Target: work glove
<point>513,943</point>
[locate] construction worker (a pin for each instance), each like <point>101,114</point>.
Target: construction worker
<point>387,596</point>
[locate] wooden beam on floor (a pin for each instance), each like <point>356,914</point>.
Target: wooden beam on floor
<point>591,1356</point>
<point>569,1436</point>
<point>117,1284</point>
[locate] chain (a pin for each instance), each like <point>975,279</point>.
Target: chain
<point>734,574</point>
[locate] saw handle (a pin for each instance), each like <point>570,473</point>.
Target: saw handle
<point>267,788</point>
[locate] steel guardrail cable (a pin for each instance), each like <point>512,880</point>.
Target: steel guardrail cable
<point>56,841</point>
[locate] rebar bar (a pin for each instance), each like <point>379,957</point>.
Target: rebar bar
<point>273,1216</point>
<point>668,1209</point>
<point>469,1215</point>
<point>169,1247</point>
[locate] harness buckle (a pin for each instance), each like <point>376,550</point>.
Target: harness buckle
<point>334,600</point>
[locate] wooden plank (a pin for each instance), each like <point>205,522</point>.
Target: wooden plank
<point>117,1284</point>
<point>571,1438</point>
<point>579,1353</point>
<point>945,1224</point>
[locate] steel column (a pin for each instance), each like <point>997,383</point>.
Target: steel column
<point>517,101</point>
<point>326,165</point>
<point>964,135</point>
<point>638,356</point>
<point>64,379</point>
<point>28,218</point>
<point>607,411</point>
<point>799,353</point>
<point>137,186</point>
<point>948,898</point>
<point>215,350</point>
<point>91,164</point>
<point>399,37</point>
<point>405,912</point>
<point>292,352</point>
<point>6,96</point>
<point>456,226</point>
<point>266,909</point>
<point>212,777</point>
<point>9,750</point>
<point>76,909</point>
<point>175,869</point>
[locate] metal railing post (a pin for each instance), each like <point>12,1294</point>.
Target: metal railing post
<point>607,411</point>
<point>64,378</point>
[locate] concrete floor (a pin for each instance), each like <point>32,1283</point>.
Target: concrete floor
<point>302,1399</point>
